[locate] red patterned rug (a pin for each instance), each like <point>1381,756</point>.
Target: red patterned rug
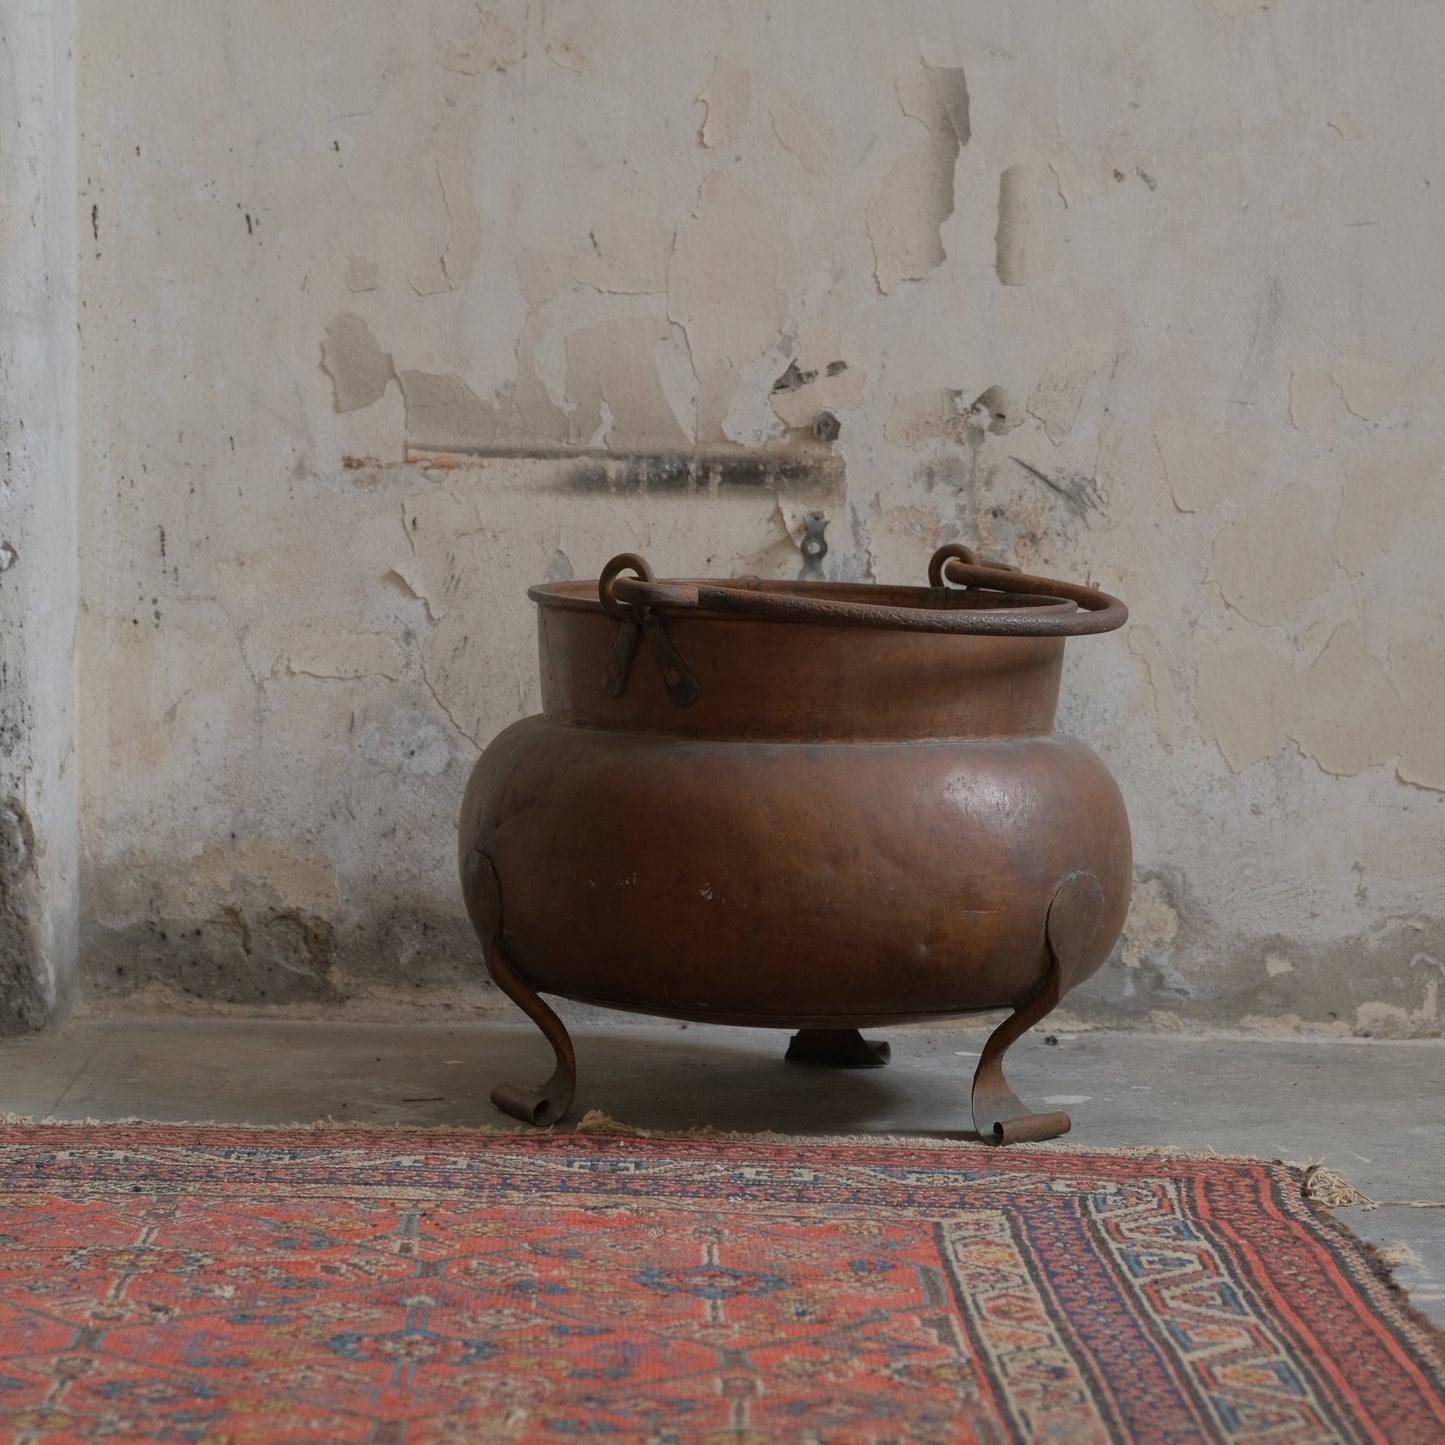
<point>218,1285</point>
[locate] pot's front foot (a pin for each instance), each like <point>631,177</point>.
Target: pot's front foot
<point>547,1104</point>
<point>838,1049</point>
<point>539,1106</point>
<point>999,1115</point>
<point>483,893</point>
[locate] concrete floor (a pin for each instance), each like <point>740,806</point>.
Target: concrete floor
<point>1371,1109</point>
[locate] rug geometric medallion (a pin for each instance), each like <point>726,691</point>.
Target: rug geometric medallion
<point>209,1285</point>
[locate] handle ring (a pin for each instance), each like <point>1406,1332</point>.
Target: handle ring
<point>606,584</point>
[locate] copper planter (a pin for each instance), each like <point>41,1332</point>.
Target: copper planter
<point>811,806</point>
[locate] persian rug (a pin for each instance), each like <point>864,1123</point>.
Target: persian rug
<point>209,1285</point>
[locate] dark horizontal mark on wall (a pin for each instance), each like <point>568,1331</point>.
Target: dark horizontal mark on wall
<point>700,472</point>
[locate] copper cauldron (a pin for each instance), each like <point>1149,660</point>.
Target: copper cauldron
<point>804,805</point>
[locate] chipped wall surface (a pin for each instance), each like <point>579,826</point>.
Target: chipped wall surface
<point>388,312</point>
<point>39,799</point>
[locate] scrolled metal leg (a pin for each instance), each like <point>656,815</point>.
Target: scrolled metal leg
<point>999,1115</point>
<point>547,1104</point>
<point>837,1049</point>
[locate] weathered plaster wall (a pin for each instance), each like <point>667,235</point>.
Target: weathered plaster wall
<point>39,797</point>
<point>1139,292</point>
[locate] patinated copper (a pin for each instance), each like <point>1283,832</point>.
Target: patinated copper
<point>802,805</point>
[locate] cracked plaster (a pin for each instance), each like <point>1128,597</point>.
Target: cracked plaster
<point>587,248</point>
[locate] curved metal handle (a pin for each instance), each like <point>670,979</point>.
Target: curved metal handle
<point>1099,612</point>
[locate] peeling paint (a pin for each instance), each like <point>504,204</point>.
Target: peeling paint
<point>362,274</point>
<point>1152,924</point>
<point>1027,241</point>
<point>1266,582</point>
<point>1417,666</point>
<point>724,290</point>
<point>1386,493</point>
<point>728,101</point>
<point>359,369</point>
<point>614,388</point>
<point>444,413</point>
<point>589,308</point>
<point>1343,710</point>
<point>1309,388</point>
<point>1059,394</point>
<point>906,219</point>
<point>344,656</point>
<point>1369,385</point>
<point>482,42</point>
<point>1145,645</point>
<point>804,134</point>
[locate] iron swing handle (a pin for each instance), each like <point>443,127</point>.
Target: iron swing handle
<point>636,598</point>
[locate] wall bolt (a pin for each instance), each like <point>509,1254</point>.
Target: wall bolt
<point>826,426</point>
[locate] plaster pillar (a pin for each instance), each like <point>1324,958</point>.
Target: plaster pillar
<point>39,792</point>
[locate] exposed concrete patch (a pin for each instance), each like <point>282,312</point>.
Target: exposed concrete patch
<point>614,387</point>
<point>272,957</point>
<point>359,369</point>
<point>728,99</point>
<point>906,219</point>
<point>1238,692</point>
<point>1266,582</point>
<point>1381,1020</point>
<point>463,246</point>
<point>478,43</point>
<point>918,418</point>
<point>1417,667</point>
<point>1386,492</point>
<point>1059,393</point>
<point>1309,388</point>
<point>1343,710</point>
<point>23,1004</point>
<point>344,656</point>
<point>1145,645</point>
<point>1205,465</point>
<point>1329,991</point>
<point>629,245</point>
<point>1152,924</point>
<point>361,274</point>
<point>444,413</point>
<point>724,290</point>
<point>1370,386</point>
<point>1028,238</point>
<point>804,134</point>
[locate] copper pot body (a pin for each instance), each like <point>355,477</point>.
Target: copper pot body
<point>847,827</point>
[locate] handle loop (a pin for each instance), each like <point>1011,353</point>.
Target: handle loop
<point>811,602</point>
<point>607,583</point>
